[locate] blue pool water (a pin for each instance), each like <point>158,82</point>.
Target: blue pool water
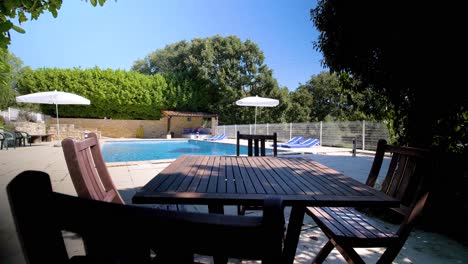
<point>164,149</point>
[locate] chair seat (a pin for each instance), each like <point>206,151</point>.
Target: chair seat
<point>344,223</point>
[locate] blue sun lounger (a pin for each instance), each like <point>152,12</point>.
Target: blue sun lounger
<point>216,137</point>
<point>294,140</point>
<point>310,142</point>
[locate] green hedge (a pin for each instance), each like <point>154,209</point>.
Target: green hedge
<point>113,94</point>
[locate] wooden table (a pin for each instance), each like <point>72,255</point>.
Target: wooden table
<point>229,180</point>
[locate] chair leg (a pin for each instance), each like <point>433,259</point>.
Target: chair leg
<point>324,252</point>
<point>348,252</point>
<point>240,210</point>
<point>390,254</point>
<point>220,260</point>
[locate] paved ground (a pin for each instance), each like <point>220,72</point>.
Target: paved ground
<point>421,247</point>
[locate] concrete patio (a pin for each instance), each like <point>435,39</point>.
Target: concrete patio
<point>421,247</point>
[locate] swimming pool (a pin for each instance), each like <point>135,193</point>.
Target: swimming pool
<point>117,151</point>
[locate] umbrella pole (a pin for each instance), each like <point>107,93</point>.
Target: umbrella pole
<point>255,126</point>
<point>58,126</point>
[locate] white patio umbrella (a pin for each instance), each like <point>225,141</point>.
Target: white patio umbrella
<point>257,101</point>
<point>53,97</point>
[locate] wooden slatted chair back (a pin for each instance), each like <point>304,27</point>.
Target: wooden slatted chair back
<point>406,171</point>
<point>256,144</point>
<point>115,233</point>
<point>407,179</point>
<point>88,170</point>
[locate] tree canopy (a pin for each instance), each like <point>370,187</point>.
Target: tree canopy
<point>324,98</point>
<point>409,53</point>
<point>210,74</point>
<point>391,49</point>
<point>113,93</point>
<point>11,10</point>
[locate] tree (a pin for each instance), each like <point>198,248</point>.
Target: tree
<point>324,98</point>
<point>15,9</point>
<point>12,72</point>
<point>113,93</point>
<point>210,74</point>
<point>299,109</point>
<point>392,50</point>
<point>409,53</point>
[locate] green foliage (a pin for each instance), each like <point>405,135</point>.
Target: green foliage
<point>415,62</point>
<point>14,9</point>
<point>19,10</point>
<point>113,94</point>
<point>4,69</point>
<point>210,74</point>
<point>323,98</point>
<point>357,39</point>
<point>10,71</point>
<point>7,97</point>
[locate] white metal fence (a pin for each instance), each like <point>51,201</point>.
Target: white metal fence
<point>13,114</point>
<point>334,134</point>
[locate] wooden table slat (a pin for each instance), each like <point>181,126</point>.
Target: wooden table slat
<point>245,177</point>
<point>259,175</point>
<point>222,176</point>
<point>178,176</point>
<point>283,182</point>
<point>324,177</point>
<point>314,185</point>
<point>238,179</point>
<point>200,179</point>
<point>230,183</point>
<point>269,180</point>
<point>252,176</point>
<point>289,176</point>
<point>311,173</point>
<point>340,181</point>
<point>167,176</point>
<point>189,173</point>
<point>214,175</point>
<point>305,186</point>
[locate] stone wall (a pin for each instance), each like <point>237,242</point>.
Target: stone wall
<point>69,130</point>
<point>129,128</point>
<point>78,127</point>
<point>30,127</point>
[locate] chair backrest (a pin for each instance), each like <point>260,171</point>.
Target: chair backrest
<point>19,138</point>
<point>88,170</point>
<point>295,140</point>
<point>256,144</point>
<point>408,178</point>
<point>115,233</point>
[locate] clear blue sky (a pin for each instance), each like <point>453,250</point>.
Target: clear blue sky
<point>122,31</point>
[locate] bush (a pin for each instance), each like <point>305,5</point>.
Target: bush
<point>114,94</point>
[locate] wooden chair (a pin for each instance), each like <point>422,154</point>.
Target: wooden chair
<point>407,179</point>
<point>115,233</point>
<point>256,146</point>
<point>88,170</point>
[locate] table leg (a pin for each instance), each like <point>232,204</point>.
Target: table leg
<point>217,209</point>
<point>293,232</point>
